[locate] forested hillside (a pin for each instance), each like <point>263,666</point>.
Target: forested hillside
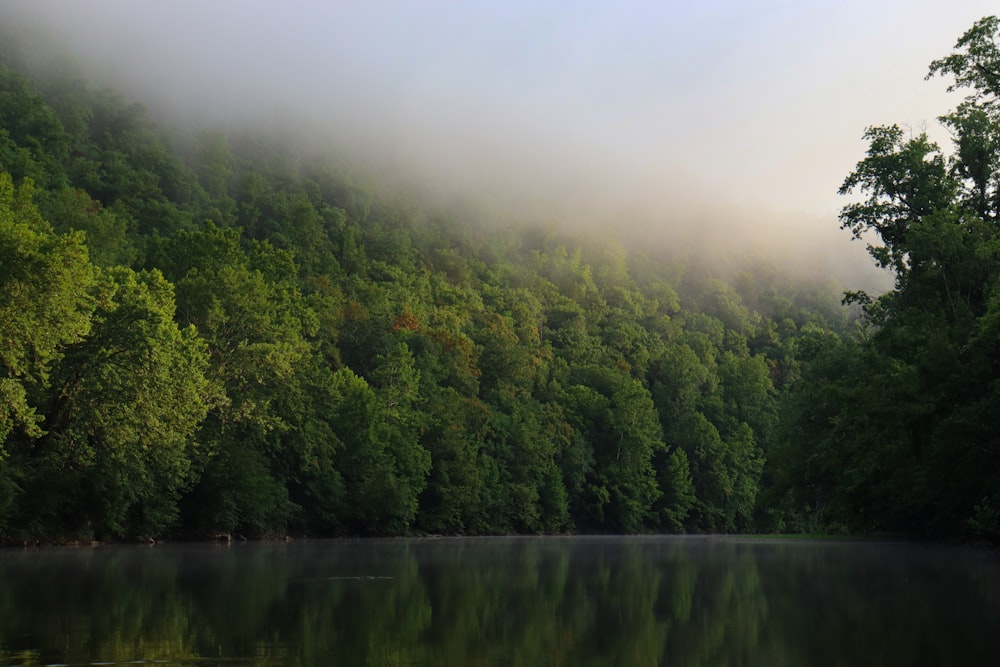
<point>208,332</point>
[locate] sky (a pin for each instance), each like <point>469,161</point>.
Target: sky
<point>742,118</point>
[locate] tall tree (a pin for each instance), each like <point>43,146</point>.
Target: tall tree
<point>903,434</point>
<point>46,302</point>
<point>125,404</point>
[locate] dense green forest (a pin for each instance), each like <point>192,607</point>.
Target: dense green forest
<point>208,331</point>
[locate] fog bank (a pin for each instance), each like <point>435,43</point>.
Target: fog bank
<point>727,126</point>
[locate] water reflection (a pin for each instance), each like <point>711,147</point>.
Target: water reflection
<point>502,601</point>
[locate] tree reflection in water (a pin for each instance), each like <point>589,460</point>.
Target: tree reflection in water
<point>510,601</point>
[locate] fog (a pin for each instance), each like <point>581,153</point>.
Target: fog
<point>728,126</point>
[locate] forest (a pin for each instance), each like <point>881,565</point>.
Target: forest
<point>210,332</point>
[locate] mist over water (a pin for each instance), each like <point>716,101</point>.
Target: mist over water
<point>723,131</point>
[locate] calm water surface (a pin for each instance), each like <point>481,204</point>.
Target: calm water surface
<point>503,601</point>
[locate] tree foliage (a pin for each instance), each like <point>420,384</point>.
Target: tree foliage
<point>208,333</point>
<point>896,431</point>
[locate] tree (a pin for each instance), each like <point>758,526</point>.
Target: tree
<point>904,180</point>
<point>125,404</point>
<point>46,302</point>
<point>32,140</point>
<point>383,471</point>
<point>453,500</point>
<point>256,325</point>
<point>896,431</point>
<point>616,418</point>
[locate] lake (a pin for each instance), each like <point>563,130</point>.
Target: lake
<point>529,601</point>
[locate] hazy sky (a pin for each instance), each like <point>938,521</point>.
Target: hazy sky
<point>669,111</point>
